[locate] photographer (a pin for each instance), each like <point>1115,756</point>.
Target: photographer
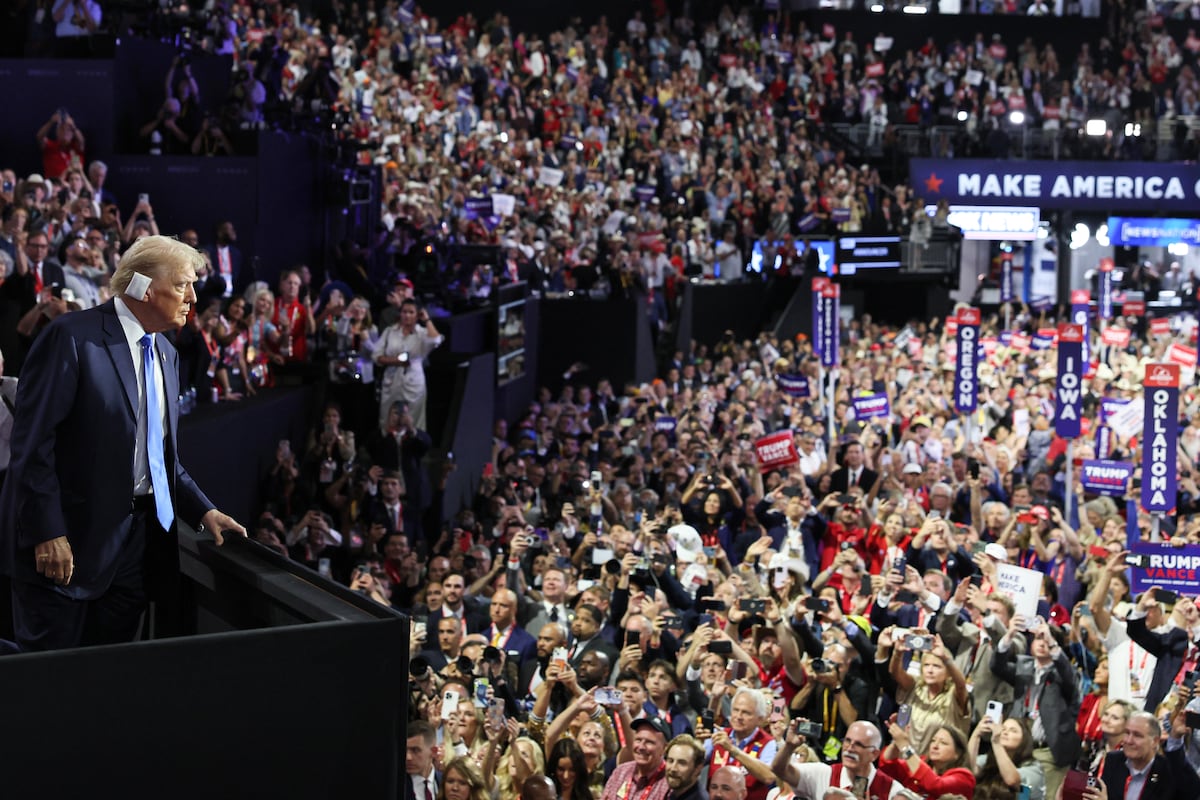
<point>855,770</point>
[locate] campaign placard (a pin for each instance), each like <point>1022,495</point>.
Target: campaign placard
<point>818,313</point>
<point>1104,302</point>
<point>1160,432</point>
<point>1176,569</point>
<point>871,406</point>
<point>1022,586</point>
<point>1101,476</point>
<point>830,325</point>
<point>1068,394</point>
<point>775,451</point>
<point>1006,279</point>
<point>794,385</point>
<point>966,367</point>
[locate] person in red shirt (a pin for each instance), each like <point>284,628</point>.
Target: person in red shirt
<point>65,150</point>
<point>293,318</point>
<point>941,770</point>
<point>849,524</point>
<point>892,537</point>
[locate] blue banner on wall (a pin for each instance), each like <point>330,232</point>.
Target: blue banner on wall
<point>1097,185</point>
<point>1153,232</point>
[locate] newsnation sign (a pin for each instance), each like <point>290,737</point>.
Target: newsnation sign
<point>1083,185</point>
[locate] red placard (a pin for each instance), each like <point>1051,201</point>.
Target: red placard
<point>998,51</point>
<point>1134,308</point>
<point>1160,327</point>
<point>1050,112</point>
<point>1021,343</point>
<point>1080,296</point>
<point>775,451</point>
<point>969,316</point>
<point>1182,354</point>
<point>1016,102</point>
<point>1162,376</point>
<point>998,108</point>
<point>828,31</point>
<point>1106,265</point>
<point>1070,333</point>
<point>1049,333</point>
<point>951,326</point>
<point>874,69</point>
<point>1116,337</point>
<point>831,290</point>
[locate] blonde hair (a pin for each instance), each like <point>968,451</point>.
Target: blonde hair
<point>152,256</point>
<point>505,769</point>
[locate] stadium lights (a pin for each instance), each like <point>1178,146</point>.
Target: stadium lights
<point>1017,117</point>
<point>1096,127</point>
<point>915,9</point>
<point>1102,235</point>
<point>962,116</point>
<point>877,8</point>
<point>1133,129</point>
<point>1080,235</point>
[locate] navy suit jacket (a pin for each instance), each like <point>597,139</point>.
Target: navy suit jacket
<point>1171,777</point>
<point>235,265</point>
<point>72,450</point>
<point>520,642</point>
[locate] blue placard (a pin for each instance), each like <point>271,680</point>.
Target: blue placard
<point>818,314</point>
<point>966,366</point>
<point>1006,280</point>
<point>1160,434</point>
<point>1104,437</point>
<point>1068,392</point>
<point>1100,476</point>
<point>830,327</point>
<point>477,207</point>
<point>1094,185</point>
<point>665,424</point>
<point>794,385</point>
<point>1176,569</point>
<point>1104,301</point>
<point>1153,232</point>
<point>871,406</point>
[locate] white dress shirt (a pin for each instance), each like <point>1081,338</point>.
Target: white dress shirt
<point>133,336</point>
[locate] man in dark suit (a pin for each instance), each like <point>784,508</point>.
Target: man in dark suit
<point>226,259</point>
<point>852,472</point>
<point>471,616</point>
<point>585,629</point>
<point>1169,648</point>
<point>1138,771</point>
<point>447,645</point>
<point>504,632</point>
<point>95,483</point>
<point>1046,693</point>
<point>422,780</point>
<point>34,272</point>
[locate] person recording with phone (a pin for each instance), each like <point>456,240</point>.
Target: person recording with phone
<point>855,770</point>
<point>745,744</point>
<point>938,696</point>
<point>401,351</point>
<point>1046,693</point>
<point>1171,647</point>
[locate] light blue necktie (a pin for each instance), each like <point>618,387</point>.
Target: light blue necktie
<point>155,447</point>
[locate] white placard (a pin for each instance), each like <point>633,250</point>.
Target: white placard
<point>1127,422</point>
<point>1022,586</point>
<point>1021,421</point>
<point>503,204</point>
<point>549,176</point>
<point>883,43</point>
<point>974,77</point>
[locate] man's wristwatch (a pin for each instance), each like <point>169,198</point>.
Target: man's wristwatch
<point>908,751</point>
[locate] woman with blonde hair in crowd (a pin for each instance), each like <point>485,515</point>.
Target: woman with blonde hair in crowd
<point>523,759</point>
<point>939,697</point>
<point>462,780</point>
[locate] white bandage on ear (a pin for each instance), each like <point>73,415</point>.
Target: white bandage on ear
<point>138,284</point>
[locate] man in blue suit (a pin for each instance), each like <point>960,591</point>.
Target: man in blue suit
<point>504,632</point>
<point>95,483</point>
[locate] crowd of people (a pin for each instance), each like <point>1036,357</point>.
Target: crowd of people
<point>631,607</point>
